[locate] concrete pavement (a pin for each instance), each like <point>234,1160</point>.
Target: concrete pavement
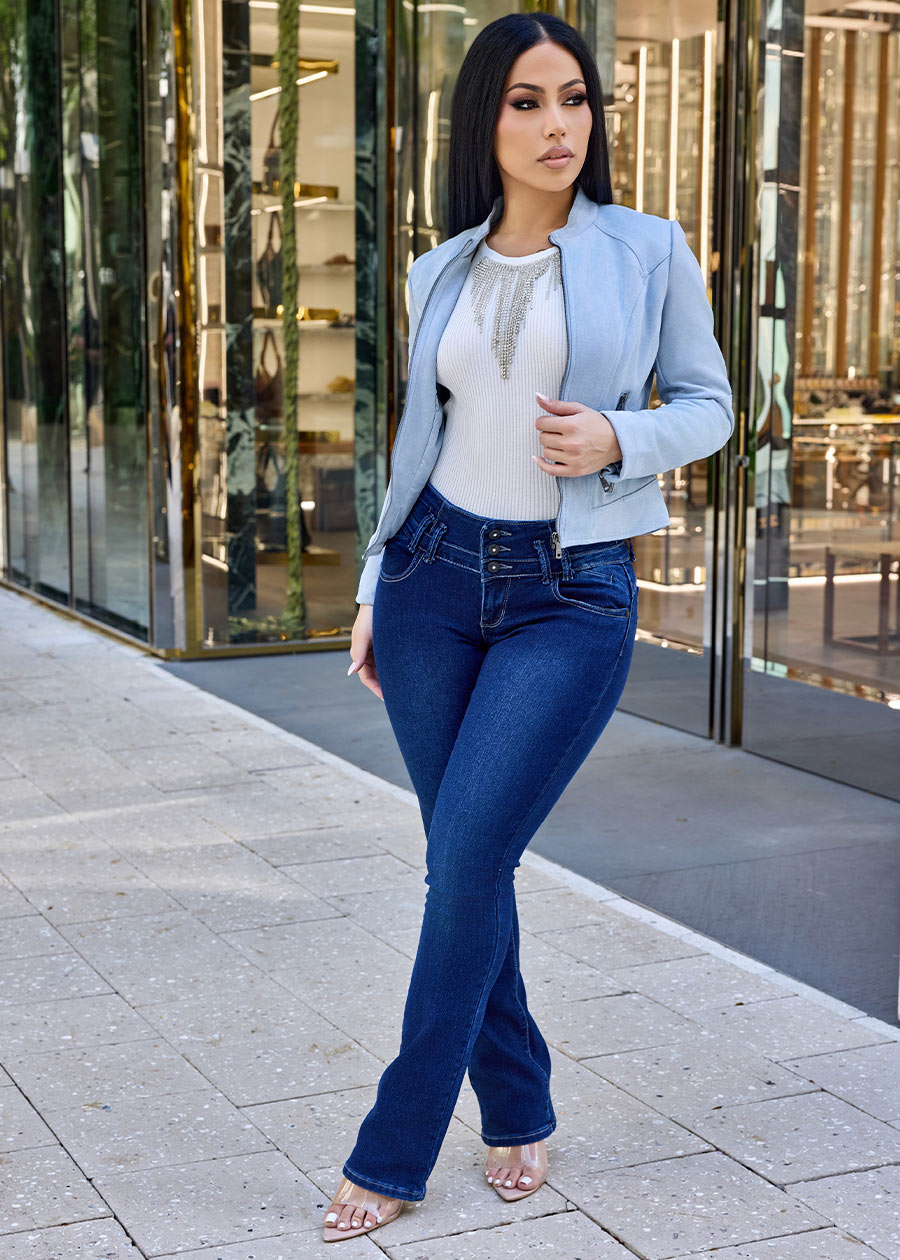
<point>207,926</point>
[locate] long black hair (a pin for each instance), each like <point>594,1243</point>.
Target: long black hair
<point>473,179</point>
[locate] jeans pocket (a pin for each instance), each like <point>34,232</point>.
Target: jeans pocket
<point>606,589</point>
<point>397,560</point>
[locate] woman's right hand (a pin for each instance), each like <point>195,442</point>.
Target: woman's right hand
<point>362,656</point>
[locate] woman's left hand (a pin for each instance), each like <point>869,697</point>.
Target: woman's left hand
<point>578,439</point>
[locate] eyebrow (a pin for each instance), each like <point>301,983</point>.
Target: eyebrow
<point>533,87</point>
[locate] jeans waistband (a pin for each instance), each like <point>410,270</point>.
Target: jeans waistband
<point>497,545</point>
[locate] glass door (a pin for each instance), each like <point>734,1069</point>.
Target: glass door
<point>662,126</point>
<point>822,673</point>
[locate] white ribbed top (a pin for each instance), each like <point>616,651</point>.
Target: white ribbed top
<point>484,464</point>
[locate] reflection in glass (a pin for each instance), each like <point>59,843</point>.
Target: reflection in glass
<point>32,297</point>
<point>102,190</point>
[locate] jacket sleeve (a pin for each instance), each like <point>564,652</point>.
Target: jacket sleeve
<point>368,580</point>
<point>691,379</point>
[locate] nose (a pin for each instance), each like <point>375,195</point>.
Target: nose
<point>557,127</point>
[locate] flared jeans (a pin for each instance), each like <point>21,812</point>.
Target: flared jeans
<point>500,664</point>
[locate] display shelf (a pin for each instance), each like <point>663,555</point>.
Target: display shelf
<point>261,200</point>
<point>308,325</point>
<point>301,190</point>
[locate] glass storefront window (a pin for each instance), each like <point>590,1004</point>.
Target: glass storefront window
<point>33,302</point>
<point>103,215</point>
<point>193,221</point>
<point>277,358</point>
<point>71,210</point>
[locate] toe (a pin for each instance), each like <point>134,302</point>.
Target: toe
<point>375,1206</point>
<point>525,1180</point>
<point>514,1174</point>
<point>345,1220</point>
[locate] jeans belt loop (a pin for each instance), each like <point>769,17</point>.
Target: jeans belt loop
<point>436,535</point>
<point>545,564</point>
<point>631,549</point>
<point>419,530</point>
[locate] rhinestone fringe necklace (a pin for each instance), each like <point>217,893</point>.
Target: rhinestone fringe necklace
<point>515,292</point>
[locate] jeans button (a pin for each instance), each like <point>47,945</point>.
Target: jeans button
<point>493,549</point>
<point>494,533</point>
<point>493,566</point>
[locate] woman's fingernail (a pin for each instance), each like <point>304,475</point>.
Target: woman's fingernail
<point>350,670</point>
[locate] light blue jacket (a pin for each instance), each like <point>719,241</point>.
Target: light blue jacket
<point>636,303</point>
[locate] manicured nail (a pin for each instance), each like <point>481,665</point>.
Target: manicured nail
<point>350,669</point>
<point>379,1218</point>
<point>342,1224</point>
<point>491,1180</point>
<point>507,1183</point>
<point>332,1216</point>
<point>526,1181</point>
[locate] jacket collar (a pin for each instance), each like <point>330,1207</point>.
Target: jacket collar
<point>582,213</point>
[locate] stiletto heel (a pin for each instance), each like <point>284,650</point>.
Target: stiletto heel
<point>350,1195</point>
<point>532,1158</point>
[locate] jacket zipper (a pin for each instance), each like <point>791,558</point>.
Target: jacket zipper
<point>412,352</point>
<point>607,486</point>
<point>557,545</point>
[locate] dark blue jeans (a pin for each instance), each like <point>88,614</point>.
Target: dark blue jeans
<point>500,665</point>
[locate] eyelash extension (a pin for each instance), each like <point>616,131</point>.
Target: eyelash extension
<point>578,97</point>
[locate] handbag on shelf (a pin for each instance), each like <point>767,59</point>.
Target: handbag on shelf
<point>271,173</point>
<point>269,386</point>
<point>269,266</point>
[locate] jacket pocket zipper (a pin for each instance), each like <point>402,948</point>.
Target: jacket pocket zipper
<point>607,486</point>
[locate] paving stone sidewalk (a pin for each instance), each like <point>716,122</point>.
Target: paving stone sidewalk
<point>207,927</point>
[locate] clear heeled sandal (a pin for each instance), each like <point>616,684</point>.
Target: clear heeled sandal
<point>531,1158</point>
<point>365,1202</point>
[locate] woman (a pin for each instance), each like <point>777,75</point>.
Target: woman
<point>498,596</point>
